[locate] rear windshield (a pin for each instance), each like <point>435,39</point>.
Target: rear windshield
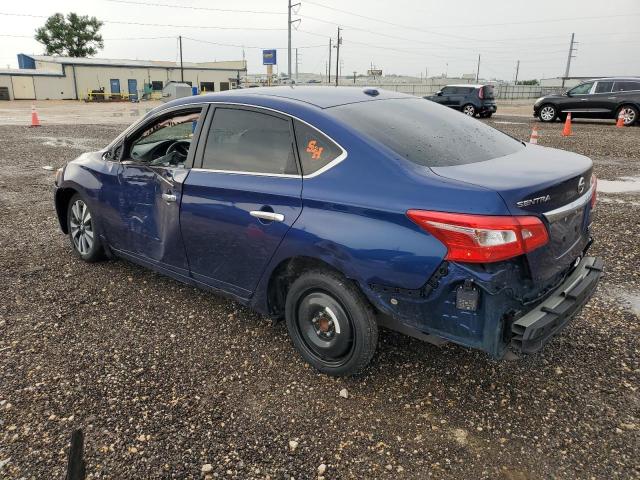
<point>426,133</point>
<point>488,92</point>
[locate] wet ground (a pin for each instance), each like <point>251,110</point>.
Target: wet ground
<point>169,382</point>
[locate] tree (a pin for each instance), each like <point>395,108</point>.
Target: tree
<point>75,36</point>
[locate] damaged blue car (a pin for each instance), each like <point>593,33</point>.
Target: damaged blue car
<point>343,210</point>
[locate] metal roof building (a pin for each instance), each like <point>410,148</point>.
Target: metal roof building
<point>42,77</point>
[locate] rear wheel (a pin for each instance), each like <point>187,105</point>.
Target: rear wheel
<point>81,225</point>
<point>330,323</point>
<point>629,114</point>
<point>486,115</point>
<point>548,113</point>
<point>469,109</point>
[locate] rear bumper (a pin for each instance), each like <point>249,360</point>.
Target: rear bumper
<point>533,330</point>
<point>488,108</point>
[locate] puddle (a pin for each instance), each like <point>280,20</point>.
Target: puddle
<point>623,185</point>
<point>618,201</point>
<point>631,299</point>
<point>83,144</point>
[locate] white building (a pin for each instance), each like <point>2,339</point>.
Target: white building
<point>42,77</point>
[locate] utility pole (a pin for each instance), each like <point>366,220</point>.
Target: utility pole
<point>478,71</point>
<point>296,65</point>
<point>329,72</point>
<point>289,23</point>
<point>181,69</point>
<point>571,55</point>
<point>517,70</point>
<point>339,41</point>
<point>354,77</point>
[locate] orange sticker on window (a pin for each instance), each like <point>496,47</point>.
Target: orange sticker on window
<point>314,149</point>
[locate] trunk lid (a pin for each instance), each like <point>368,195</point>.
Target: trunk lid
<point>551,184</point>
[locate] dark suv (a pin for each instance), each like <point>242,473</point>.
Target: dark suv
<point>470,99</point>
<point>599,98</point>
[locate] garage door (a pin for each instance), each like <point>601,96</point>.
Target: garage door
<point>23,88</point>
<point>4,93</point>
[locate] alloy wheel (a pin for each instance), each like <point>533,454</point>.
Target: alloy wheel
<point>547,113</point>
<point>81,227</point>
<point>628,115</point>
<point>469,110</point>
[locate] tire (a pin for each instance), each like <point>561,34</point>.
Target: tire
<point>83,235</point>
<point>330,323</point>
<point>486,115</point>
<point>469,109</point>
<point>630,114</point>
<point>548,113</point>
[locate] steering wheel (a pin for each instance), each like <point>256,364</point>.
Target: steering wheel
<point>180,147</point>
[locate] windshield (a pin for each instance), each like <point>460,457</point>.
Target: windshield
<point>426,133</point>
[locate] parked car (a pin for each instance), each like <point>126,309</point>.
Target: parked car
<point>343,210</point>
<point>599,98</point>
<point>471,100</point>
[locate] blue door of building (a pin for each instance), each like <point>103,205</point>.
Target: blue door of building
<point>115,86</point>
<point>132,84</point>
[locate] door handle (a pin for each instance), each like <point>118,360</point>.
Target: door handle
<point>269,216</point>
<point>611,98</point>
<point>169,197</point>
<point>584,99</point>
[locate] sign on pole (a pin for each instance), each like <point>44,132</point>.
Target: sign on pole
<point>269,57</point>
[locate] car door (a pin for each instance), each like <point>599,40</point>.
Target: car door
<point>239,204</point>
<point>154,163</point>
<point>578,100</point>
<point>443,97</point>
<point>602,102</point>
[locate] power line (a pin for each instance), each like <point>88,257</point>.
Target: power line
<point>186,7</point>
<point>118,22</point>
<point>244,45</point>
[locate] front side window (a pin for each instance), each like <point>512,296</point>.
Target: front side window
<point>315,150</point>
<point>249,142</point>
<point>604,87</point>
<point>581,89</point>
<point>165,142</point>
<point>626,86</point>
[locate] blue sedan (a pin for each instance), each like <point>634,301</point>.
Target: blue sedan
<point>342,210</point>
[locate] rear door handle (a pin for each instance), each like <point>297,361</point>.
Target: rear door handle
<point>611,98</point>
<point>269,216</point>
<point>169,197</point>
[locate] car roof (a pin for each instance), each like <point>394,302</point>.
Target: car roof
<point>321,96</point>
<point>624,79</point>
<point>474,85</point>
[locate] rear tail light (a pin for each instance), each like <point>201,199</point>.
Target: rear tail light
<point>482,238</point>
<point>481,93</point>
<point>594,194</point>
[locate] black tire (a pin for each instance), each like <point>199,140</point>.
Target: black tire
<point>486,115</point>
<point>330,323</point>
<point>469,109</point>
<point>548,113</point>
<point>83,231</point>
<point>630,114</point>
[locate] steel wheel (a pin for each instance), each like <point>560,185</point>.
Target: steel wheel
<point>324,327</point>
<point>469,109</point>
<point>81,227</point>
<point>548,113</point>
<point>629,114</point>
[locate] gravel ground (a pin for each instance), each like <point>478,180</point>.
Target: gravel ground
<point>169,382</point>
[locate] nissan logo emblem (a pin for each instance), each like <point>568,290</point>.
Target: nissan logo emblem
<point>581,185</point>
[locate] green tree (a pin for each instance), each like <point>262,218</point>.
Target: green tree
<point>74,36</point>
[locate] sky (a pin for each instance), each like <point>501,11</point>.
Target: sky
<point>403,37</point>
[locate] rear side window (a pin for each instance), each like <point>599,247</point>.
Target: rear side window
<point>315,149</point>
<point>487,91</point>
<point>467,89</point>
<point>426,133</point>
<point>604,87</point>
<point>249,142</point>
<point>626,86</point>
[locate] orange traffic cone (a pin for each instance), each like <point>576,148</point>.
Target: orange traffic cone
<point>35,121</point>
<point>534,136</point>
<point>566,132</point>
<point>620,122</point>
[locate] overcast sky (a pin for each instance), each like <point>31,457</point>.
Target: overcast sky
<point>400,36</point>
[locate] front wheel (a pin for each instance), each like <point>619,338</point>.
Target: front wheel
<point>81,225</point>
<point>330,323</point>
<point>629,114</point>
<point>548,113</point>
<point>469,109</point>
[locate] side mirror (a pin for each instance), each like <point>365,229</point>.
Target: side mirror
<point>439,93</point>
<point>568,94</point>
